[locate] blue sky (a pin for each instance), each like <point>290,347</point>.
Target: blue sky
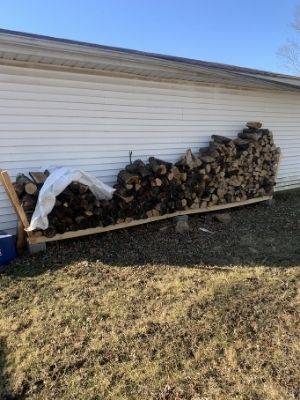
<point>240,32</point>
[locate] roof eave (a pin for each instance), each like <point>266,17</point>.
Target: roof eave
<point>59,52</point>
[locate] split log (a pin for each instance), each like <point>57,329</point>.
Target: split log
<point>19,189</point>
<point>50,232</point>
<point>138,167</point>
<point>189,160</point>
<point>242,143</point>
<point>254,125</point>
<point>221,139</point>
<point>128,178</point>
<point>254,136</point>
<point>39,178</point>
<point>158,166</point>
<point>30,188</point>
<point>24,184</point>
<point>28,202</point>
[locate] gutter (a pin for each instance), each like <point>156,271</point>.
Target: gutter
<point>32,45</point>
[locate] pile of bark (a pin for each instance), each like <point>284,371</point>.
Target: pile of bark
<point>228,170</point>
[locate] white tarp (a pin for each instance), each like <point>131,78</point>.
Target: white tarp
<point>57,181</point>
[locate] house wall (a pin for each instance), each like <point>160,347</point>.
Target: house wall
<point>92,122</point>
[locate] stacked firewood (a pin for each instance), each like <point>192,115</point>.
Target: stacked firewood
<point>228,170</point>
<point>75,208</point>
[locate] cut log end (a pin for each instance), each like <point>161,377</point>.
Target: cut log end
<point>30,188</point>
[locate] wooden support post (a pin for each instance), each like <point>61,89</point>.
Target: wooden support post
<point>21,238</point>
<point>10,190</point>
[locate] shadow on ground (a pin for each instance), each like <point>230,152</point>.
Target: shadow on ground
<point>6,393</point>
<point>261,234</point>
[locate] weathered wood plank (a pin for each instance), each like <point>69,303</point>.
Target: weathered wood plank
<point>10,190</point>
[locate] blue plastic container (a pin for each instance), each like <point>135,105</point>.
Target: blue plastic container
<point>7,248</point>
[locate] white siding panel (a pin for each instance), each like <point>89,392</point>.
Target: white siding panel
<point>91,122</point>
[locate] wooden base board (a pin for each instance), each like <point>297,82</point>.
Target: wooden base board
<point>92,231</point>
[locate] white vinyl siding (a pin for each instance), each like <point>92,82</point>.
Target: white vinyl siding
<point>91,122</point>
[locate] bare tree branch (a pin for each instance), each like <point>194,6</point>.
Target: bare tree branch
<point>296,23</point>
<point>290,52</point>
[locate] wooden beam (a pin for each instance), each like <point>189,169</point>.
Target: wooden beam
<point>10,190</point>
<point>92,231</point>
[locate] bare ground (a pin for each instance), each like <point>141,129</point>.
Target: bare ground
<point>146,313</point>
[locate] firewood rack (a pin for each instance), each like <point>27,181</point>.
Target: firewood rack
<point>23,222</point>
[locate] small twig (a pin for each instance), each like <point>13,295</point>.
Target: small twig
<point>206,230</point>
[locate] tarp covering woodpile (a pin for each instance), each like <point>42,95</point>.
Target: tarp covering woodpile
<point>227,171</point>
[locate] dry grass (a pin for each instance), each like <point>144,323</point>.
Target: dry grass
<point>147,314</point>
